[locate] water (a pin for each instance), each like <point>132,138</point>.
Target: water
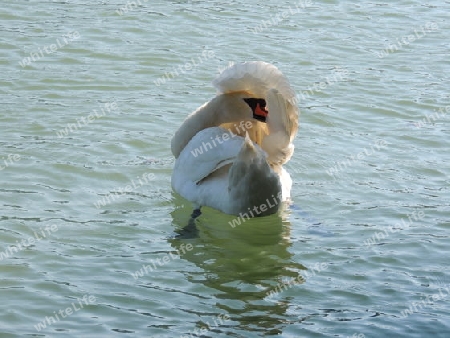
<point>92,236</point>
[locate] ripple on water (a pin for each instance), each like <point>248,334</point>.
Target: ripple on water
<point>343,285</point>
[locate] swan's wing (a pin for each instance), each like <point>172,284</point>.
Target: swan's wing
<point>255,77</point>
<point>208,151</point>
<point>283,116</point>
<point>282,122</point>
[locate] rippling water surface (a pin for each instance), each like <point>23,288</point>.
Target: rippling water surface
<point>94,242</point>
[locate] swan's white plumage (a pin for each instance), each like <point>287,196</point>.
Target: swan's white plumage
<point>204,159</point>
<point>232,177</point>
<point>255,77</point>
<point>227,168</point>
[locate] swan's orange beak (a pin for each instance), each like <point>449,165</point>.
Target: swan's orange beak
<point>258,107</point>
<point>260,113</point>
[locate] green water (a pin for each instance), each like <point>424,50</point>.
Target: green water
<point>93,241</point>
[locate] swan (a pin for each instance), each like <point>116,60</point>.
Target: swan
<point>230,151</point>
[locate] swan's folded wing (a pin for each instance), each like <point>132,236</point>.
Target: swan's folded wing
<point>208,151</point>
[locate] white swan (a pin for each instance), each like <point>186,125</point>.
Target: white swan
<point>230,151</point>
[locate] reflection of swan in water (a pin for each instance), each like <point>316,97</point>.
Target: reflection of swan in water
<point>240,266</point>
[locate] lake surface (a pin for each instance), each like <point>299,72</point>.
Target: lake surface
<point>94,242</point>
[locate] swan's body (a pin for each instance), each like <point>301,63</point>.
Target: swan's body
<point>230,151</point>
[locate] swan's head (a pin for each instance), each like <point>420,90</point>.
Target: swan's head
<point>258,107</point>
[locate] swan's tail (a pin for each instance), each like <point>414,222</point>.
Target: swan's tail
<point>255,77</point>
<point>253,183</point>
